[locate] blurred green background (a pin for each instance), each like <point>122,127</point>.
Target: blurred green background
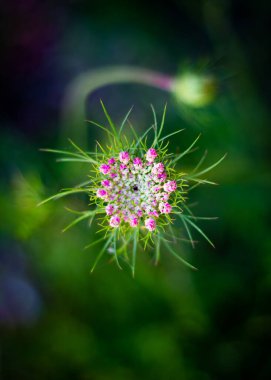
<point>56,320</point>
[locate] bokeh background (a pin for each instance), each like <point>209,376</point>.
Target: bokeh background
<point>56,320</point>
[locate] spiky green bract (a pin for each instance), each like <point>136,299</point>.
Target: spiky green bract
<point>123,240</point>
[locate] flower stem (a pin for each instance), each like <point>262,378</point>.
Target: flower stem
<point>74,103</point>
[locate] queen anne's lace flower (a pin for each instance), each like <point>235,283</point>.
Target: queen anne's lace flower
<point>135,193</point>
<point>137,189</point>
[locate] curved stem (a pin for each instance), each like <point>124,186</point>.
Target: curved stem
<point>74,103</point>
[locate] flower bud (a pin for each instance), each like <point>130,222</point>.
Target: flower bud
<point>124,157</point>
<point>106,183</point>
<point>111,161</point>
<point>165,208</point>
<point>105,169</point>
<point>109,209</point>
<point>114,221</point>
<point>133,221</point>
<point>195,90</point>
<point>170,186</point>
<point>150,224</point>
<point>151,155</point>
<point>158,168</point>
<point>137,163</point>
<point>101,193</point>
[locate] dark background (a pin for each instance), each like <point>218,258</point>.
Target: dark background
<point>56,320</point>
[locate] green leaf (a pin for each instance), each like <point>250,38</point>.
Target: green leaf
<point>76,155</point>
<point>189,221</point>
<point>209,167</point>
<point>75,160</point>
<point>115,250</point>
<point>178,257</point>
<point>170,134</point>
<point>186,151</point>
<point>142,137</point>
<point>200,162</point>
<point>133,131</point>
<point>188,232</point>
<point>155,126</point>
<point>162,123</point>
<point>98,258</point>
<point>62,194</point>
<point>135,238</point>
<point>101,127</point>
<point>124,120</point>
<point>94,243</point>
<point>157,249</point>
<point>112,125</point>
<point>79,219</point>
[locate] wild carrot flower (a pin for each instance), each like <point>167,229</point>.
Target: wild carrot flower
<point>136,192</point>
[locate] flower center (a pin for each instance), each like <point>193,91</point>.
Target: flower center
<point>135,189</point>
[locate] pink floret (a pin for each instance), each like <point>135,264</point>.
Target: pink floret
<point>165,196</point>
<point>158,168</point>
<point>150,224</point>
<point>124,157</point>
<point>106,183</point>
<point>137,163</point>
<point>101,193</point>
<point>123,167</point>
<point>165,208</point>
<point>133,221</point>
<point>162,177</point>
<point>170,186</point>
<point>109,209</point>
<point>156,189</point>
<point>154,213</point>
<point>114,221</point>
<point>105,169</point>
<point>151,155</point>
<point>111,161</point>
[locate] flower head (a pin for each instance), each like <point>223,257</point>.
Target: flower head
<point>135,193</point>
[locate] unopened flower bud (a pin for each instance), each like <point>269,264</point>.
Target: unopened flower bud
<point>150,224</point>
<point>151,155</point>
<point>114,221</point>
<point>195,90</point>
<point>124,157</point>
